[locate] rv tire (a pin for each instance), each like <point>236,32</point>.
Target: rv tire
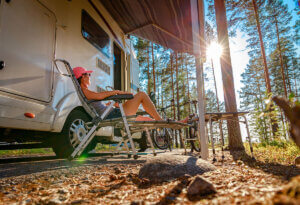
<point>71,135</point>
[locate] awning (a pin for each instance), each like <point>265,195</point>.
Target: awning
<point>165,22</point>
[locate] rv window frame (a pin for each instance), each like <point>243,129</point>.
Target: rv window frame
<point>93,43</point>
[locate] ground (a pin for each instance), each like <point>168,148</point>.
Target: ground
<point>105,180</point>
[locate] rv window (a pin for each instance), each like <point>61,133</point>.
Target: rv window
<point>94,34</point>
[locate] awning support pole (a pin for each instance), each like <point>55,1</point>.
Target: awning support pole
<point>198,21</point>
<point>201,113</point>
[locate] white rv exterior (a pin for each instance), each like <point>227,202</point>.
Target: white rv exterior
<point>35,32</point>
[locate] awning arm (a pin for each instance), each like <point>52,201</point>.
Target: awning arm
<point>161,29</point>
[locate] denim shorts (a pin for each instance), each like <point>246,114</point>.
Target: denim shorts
<point>115,113</point>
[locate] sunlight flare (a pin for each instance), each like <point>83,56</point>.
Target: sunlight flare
<point>214,51</point>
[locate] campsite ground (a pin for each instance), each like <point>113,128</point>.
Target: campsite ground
<point>101,180</point>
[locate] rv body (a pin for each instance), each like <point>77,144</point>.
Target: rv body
<point>34,95</point>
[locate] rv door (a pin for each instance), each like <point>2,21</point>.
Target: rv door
<point>134,74</point>
<point>27,44</point>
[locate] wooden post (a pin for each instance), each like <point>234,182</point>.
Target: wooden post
<point>234,132</point>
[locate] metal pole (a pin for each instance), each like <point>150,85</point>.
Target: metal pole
<point>198,21</point>
<point>212,138</point>
<point>200,80</point>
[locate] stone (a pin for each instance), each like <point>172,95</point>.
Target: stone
<point>117,170</point>
<point>166,167</point>
<point>200,187</point>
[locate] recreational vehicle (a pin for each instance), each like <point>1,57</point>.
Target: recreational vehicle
<point>38,101</point>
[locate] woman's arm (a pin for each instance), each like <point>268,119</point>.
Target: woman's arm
<point>90,95</point>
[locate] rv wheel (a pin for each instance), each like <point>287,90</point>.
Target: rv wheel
<point>73,132</point>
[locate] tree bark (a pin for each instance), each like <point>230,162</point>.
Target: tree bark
<point>280,55</point>
<point>266,70</point>
<point>188,85</point>
<point>153,71</point>
<point>148,61</point>
<point>172,79</point>
<point>218,103</point>
<point>173,98</point>
<point>234,132</point>
<point>177,99</point>
<point>162,86</point>
<point>177,88</point>
<point>287,73</point>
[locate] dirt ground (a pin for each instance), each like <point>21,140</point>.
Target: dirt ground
<point>103,180</point>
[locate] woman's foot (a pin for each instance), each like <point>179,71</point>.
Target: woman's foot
<point>185,120</point>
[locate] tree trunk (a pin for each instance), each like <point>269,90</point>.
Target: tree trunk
<point>162,86</point>
<point>295,79</point>
<point>262,48</point>
<point>173,98</point>
<point>287,73</point>
<point>266,70</point>
<point>218,103</point>
<point>177,89</point>
<point>158,92</point>
<point>153,71</point>
<point>262,109</point>
<point>148,61</point>
<point>280,55</point>
<point>173,92</point>
<point>188,85</point>
<point>234,132</point>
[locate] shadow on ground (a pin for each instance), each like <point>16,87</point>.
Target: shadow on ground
<point>285,171</point>
<point>13,167</point>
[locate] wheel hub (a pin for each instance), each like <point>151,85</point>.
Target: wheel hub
<point>77,132</point>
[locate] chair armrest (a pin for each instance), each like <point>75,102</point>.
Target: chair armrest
<point>115,98</point>
<point>119,97</point>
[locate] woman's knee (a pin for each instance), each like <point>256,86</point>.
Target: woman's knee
<point>141,94</point>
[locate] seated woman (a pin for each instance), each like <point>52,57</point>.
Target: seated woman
<point>130,106</point>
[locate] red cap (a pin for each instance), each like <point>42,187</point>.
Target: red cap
<point>78,71</point>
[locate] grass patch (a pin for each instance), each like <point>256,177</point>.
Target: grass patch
<point>26,151</point>
<point>275,152</point>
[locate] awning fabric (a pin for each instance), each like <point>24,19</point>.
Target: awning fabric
<point>165,22</point>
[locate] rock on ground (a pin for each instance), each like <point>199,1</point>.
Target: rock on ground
<point>167,166</point>
<point>200,187</point>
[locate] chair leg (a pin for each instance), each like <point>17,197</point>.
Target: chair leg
<point>86,140</point>
<point>118,147</point>
<point>150,140</point>
<point>128,131</point>
<point>212,139</point>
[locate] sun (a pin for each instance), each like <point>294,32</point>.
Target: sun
<point>214,51</point>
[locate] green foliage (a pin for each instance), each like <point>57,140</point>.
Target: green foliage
<point>283,152</point>
<point>26,151</point>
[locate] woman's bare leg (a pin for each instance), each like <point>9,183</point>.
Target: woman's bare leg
<point>131,106</point>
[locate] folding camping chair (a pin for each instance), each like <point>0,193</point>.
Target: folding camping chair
<point>127,125</point>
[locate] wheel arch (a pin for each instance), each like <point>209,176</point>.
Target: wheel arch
<point>64,108</point>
